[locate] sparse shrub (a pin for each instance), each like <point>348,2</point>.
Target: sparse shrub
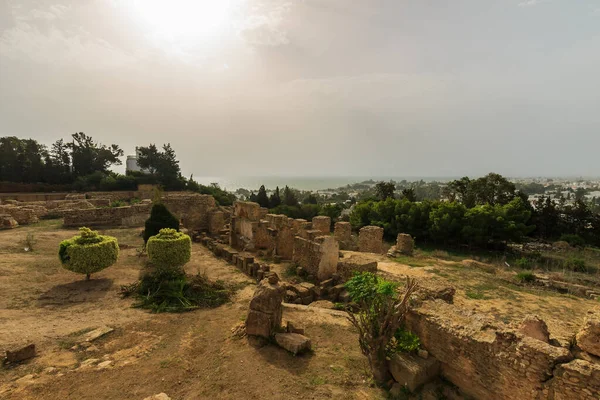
<point>160,217</point>
<point>526,277</point>
<point>381,311</point>
<point>573,240</point>
<point>118,203</point>
<point>576,265</point>
<point>404,341</point>
<point>169,249</point>
<point>89,252</point>
<point>134,200</point>
<point>475,294</point>
<point>172,291</point>
<point>524,263</point>
<point>29,242</point>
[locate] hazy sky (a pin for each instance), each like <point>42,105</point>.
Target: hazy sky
<point>313,87</point>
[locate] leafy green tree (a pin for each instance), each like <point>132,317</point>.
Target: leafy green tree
<point>162,165</point>
<point>310,199</point>
<point>446,222</point>
<point>385,190</point>
<point>88,156</point>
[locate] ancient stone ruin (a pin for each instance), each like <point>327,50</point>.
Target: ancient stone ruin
<point>370,239</point>
<point>404,246</point>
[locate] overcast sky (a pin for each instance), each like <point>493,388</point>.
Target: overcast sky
<point>313,87</point>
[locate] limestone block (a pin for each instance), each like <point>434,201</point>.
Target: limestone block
<point>322,223</point>
<point>24,353</point>
<point>370,239</point>
<point>293,342</point>
<point>535,328</point>
<point>413,371</point>
<point>588,338</point>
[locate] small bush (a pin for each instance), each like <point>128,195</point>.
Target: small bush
<point>134,200</point>
<point>169,249</point>
<point>404,341</point>
<point>118,203</point>
<point>29,242</point>
<point>160,217</point>
<point>524,263</point>
<point>573,240</point>
<point>475,294</point>
<point>526,277</point>
<point>89,252</point>
<point>576,265</point>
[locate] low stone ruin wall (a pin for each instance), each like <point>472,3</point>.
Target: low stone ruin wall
<point>496,364</point>
<point>192,209</point>
<point>23,215</point>
<point>322,223</point>
<point>342,231</point>
<point>111,216</point>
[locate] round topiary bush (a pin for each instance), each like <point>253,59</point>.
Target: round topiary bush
<point>160,218</point>
<point>89,252</point>
<point>169,249</point>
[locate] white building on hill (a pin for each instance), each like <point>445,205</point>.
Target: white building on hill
<point>131,165</point>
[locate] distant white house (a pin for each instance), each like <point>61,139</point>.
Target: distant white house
<point>131,165</point>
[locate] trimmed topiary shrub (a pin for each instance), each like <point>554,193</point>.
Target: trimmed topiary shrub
<point>169,249</point>
<point>89,252</point>
<point>160,218</point>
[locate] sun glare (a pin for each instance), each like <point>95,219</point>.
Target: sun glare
<point>184,20</point>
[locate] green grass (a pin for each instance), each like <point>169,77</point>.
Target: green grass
<point>475,295</point>
<point>415,262</point>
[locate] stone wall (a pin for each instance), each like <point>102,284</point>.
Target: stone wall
<point>497,364</point>
<point>370,239</point>
<point>23,215</point>
<point>342,231</point>
<point>191,209</point>
<point>322,223</point>
<point>216,222</point>
<point>111,216</point>
<point>318,258</point>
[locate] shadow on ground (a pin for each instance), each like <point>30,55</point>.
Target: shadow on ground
<point>76,292</point>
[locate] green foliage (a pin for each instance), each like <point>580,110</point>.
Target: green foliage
<point>524,263</point>
<point>385,190</point>
<point>367,286</point>
<point>289,197</point>
<point>162,165</point>
<point>169,249</point>
<point>118,203</point>
<point>275,199</point>
<point>160,218</point>
<point>221,196</point>
<point>172,291</point>
<point>526,277</point>
<point>89,252</point>
<point>261,198</point>
<point>572,239</point>
<point>404,341</point>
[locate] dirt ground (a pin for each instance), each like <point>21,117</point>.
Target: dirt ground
<point>188,356</point>
<point>194,355</point>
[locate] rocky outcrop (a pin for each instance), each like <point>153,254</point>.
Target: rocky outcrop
<point>535,328</point>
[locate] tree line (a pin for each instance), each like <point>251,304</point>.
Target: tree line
<point>82,164</point>
<point>488,211</point>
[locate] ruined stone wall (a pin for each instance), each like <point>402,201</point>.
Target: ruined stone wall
<point>342,231</point>
<point>216,221</point>
<point>322,223</point>
<point>370,239</point>
<point>23,215</point>
<point>192,209</point>
<point>112,216</point>
<point>318,258</point>
<point>486,363</point>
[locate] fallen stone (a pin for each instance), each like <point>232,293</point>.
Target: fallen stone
<point>22,354</point>
<point>295,343</point>
<point>89,362</point>
<point>26,380</point>
<point>534,327</point>
<point>424,354</point>
<point>97,333</point>
<point>395,390</point>
<point>264,316</point>
<point>412,371</point>
<point>104,364</point>
<point>322,304</point>
<point>160,396</point>
<point>588,338</point>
